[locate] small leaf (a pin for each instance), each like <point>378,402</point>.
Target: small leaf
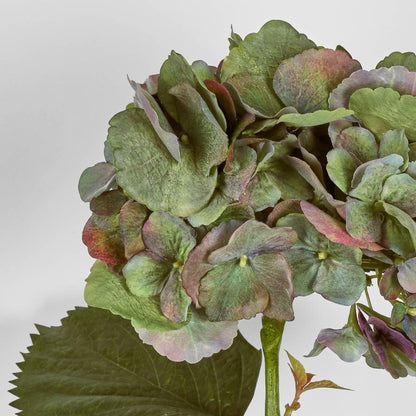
<point>323,384</point>
<point>108,203</point>
<point>298,370</point>
<point>94,364</point>
<point>397,313</point>
<point>407,275</point>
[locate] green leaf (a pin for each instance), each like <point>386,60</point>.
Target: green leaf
<point>323,384</point>
<point>109,291</point>
<point>94,364</point>
<point>108,203</point>
<point>95,180</point>
<point>298,370</point>
<point>316,118</point>
<point>397,313</point>
<point>407,59</point>
<point>305,81</point>
<point>147,171</point>
<point>384,109</point>
<point>251,65</point>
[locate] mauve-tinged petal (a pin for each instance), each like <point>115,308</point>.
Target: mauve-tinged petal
<point>394,337</point>
<point>197,264</point>
<point>333,229</point>
<point>198,339</point>
<point>407,275</point>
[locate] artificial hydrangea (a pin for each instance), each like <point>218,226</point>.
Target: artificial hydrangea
<point>228,191</point>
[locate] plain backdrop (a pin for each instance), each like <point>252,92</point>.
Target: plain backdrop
<point>63,67</point>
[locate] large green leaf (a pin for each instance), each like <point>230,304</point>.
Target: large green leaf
<point>384,109</point>
<point>149,174</point>
<point>94,364</point>
<point>251,65</point>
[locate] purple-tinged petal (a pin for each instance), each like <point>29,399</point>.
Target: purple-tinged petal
<point>407,275</point>
<point>333,229</point>
<point>224,98</point>
<point>95,180</point>
<point>394,337</point>
<point>251,238</point>
<point>389,285</point>
<point>198,339</point>
<point>132,218</point>
<point>289,206</point>
<point>396,77</point>
<point>306,80</point>
<point>102,237</point>
<point>409,327</point>
<point>197,264</point>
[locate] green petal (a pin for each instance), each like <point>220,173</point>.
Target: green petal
<point>146,275</point>
<point>251,65</point>
<point>150,174</point>
<point>131,219</point>
<point>229,292</point>
<point>341,167</point>
<point>384,109</point>
<point>399,230</point>
<point>400,191</point>
<point>108,291</point>
<point>169,237</point>
<point>359,143</point>
<point>174,301</point>
<point>340,282</point>
<point>252,238</point>
<point>369,177</point>
<point>206,137</point>
<point>108,203</point>
<point>175,71</point>
<point>306,80</point>
<point>96,180</point>
<point>407,59</point>
<point>395,142</point>
<point>197,264</point>
<point>363,221</point>
<point>407,275</point>
<point>305,265</point>
<point>275,273</point>
<point>316,118</point>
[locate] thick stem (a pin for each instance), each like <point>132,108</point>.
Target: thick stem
<point>271,338</point>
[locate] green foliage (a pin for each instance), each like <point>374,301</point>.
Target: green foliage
<point>94,364</point>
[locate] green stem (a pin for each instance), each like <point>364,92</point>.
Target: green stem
<point>271,338</point>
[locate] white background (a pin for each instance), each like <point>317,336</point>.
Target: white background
<point>63,67</point>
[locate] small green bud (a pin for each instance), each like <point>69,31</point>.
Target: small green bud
<point>243,261</point>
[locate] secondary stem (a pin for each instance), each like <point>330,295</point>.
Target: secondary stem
<point>271,338</point>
